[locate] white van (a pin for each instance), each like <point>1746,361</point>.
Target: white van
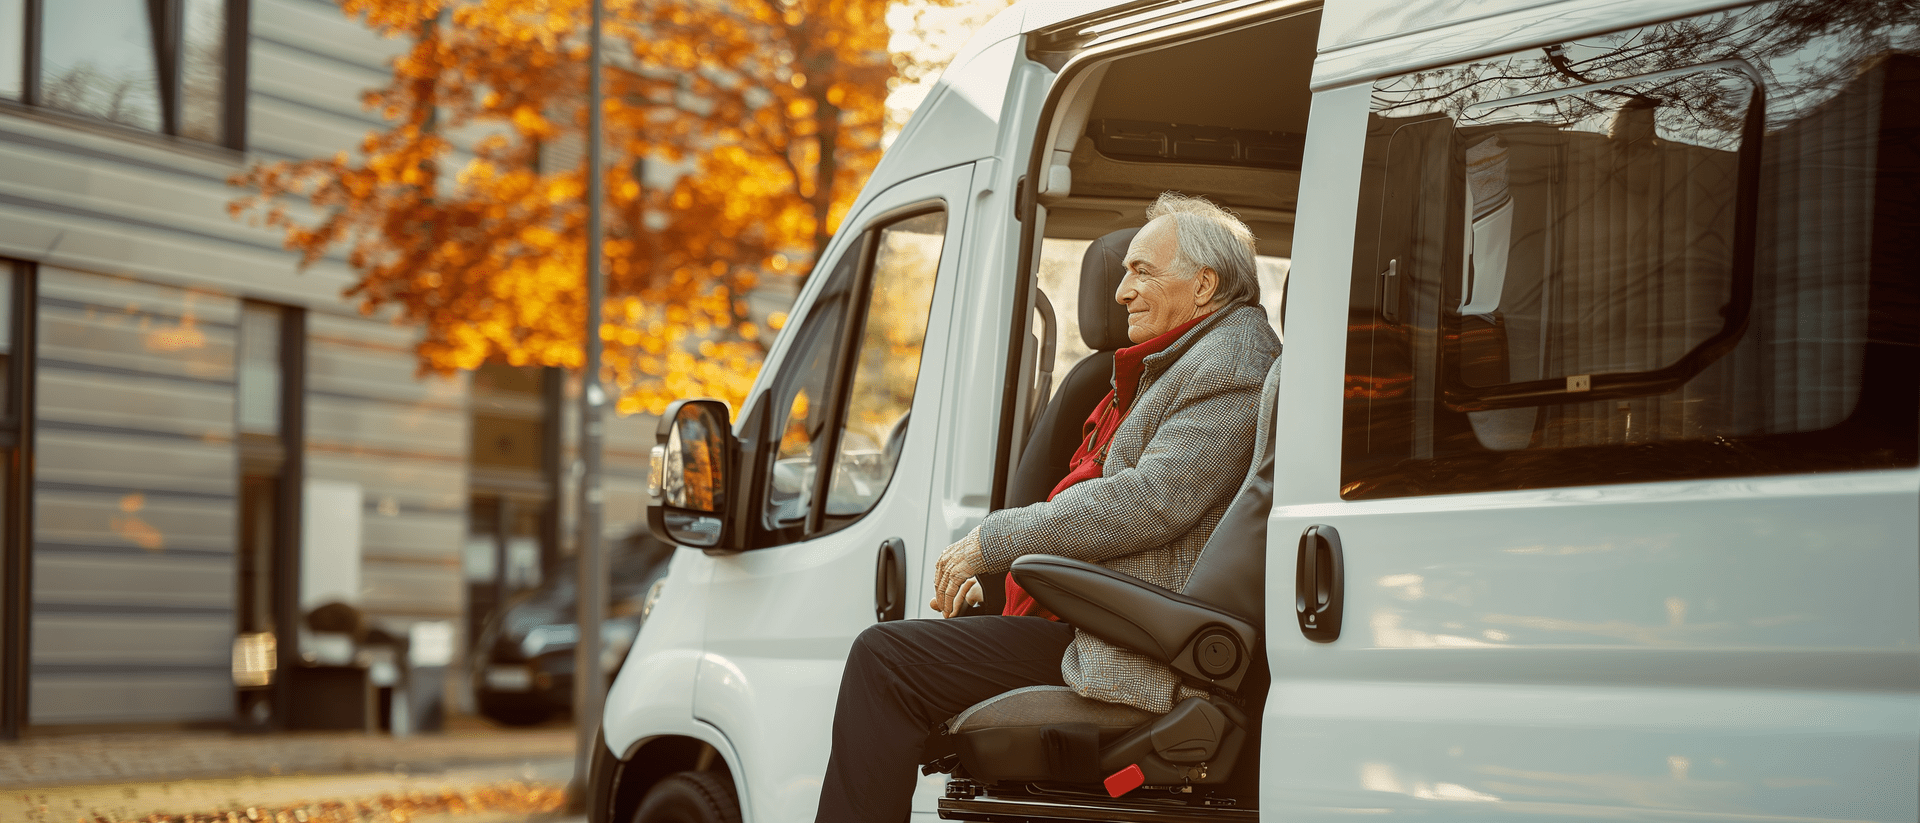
<point>1594,490</point>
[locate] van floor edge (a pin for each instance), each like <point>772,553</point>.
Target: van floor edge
<point>1016,811</point>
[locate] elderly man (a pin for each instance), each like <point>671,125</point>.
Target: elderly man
<point>1162,460</point>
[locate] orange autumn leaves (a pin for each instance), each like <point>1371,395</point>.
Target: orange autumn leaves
<point>737,134</point>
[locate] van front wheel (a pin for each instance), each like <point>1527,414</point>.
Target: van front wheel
<point>690,797</point>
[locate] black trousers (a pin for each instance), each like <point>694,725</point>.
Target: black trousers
<point>903,680</point>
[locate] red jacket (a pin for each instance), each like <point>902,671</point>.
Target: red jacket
<point>1089,460</point>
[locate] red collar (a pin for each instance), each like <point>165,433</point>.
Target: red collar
<point>1128,363</point>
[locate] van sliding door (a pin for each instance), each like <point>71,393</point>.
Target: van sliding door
<point>1626,484</point>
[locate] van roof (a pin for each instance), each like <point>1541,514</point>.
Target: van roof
<point>1345,22</point>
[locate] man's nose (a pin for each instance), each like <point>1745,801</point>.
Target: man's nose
<point>1125,293</point>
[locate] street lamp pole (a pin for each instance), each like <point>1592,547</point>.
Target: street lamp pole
<point>589,690</point>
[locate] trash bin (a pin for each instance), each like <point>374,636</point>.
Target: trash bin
<point>355,676</point>
<point>385,658</point>
<point>332,689</point>
<point>429,652</point>
<point>330,698</point>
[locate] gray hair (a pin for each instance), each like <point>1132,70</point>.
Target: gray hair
<point>1211,237</point>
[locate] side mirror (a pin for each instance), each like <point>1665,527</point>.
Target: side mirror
<point>693,460</point>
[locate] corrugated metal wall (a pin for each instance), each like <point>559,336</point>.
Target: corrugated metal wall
<point>99,200</point>
<point>134,502</point>
<point>403,441</point>
<point>142,276</point>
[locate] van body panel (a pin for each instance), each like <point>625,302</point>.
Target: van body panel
<point>655,696</point>
<point>779,619</point>
<point>1359,21</point>
<point>1744,648</point>
<point>1713,649</point>
<point>962,472</point>
<point>1040,14</point>
<point>963,469</point>
<point>1491,28</point>
<point>1478,751</point>
<point>1355,22</point>
<point>958,123</point>
<point>1308,467</point>
<point>1006,23</point>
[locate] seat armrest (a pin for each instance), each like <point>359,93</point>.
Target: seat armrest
<point>1204,643</point>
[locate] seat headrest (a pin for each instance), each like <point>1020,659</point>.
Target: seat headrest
<point>1103,321</point>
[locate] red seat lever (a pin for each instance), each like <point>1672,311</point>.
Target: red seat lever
<point>1125,780</point>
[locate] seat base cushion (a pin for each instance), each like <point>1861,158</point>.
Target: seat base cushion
<point>1040,733</point>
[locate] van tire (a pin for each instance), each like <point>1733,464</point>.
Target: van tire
<point>690,797</point>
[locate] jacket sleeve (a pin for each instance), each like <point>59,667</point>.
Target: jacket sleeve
<point>1193,463</point>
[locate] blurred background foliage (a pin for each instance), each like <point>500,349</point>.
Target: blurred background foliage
<point>737,135</point>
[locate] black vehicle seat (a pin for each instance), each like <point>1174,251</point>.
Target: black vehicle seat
<point>1002,730</point>
<point>1056,432</point>
<point>1208,632</point>
<point>1103,327</point>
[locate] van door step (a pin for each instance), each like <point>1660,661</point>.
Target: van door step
<point>995,810</point>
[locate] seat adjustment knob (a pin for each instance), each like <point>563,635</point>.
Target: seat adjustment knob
<point>1216,653</point>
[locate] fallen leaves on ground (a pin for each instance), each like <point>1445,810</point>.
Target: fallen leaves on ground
<point>514,797</point>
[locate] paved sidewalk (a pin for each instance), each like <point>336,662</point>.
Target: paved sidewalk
<point>527,793</point>
<point>75,759</point>
<point>472,773</point>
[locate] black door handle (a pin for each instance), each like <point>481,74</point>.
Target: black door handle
<point>1319,584</point>
<point>890,581</point>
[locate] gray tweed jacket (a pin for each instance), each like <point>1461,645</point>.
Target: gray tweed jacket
<point>1173,467</point>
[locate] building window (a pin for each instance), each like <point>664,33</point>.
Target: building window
<point>270,365</point>
<point>16,475</point>
<point>513,528</point>
<point>173,67</point>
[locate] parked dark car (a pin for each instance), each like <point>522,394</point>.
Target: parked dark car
<point>523,658</point>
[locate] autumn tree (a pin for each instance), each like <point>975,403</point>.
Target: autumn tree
<point>736,136</point>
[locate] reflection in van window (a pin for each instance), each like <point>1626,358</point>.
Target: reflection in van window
<point>906,259</point>
<point>799,396</point>
<point>1680,251</point>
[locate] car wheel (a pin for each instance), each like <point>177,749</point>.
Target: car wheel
<point>690,797</point>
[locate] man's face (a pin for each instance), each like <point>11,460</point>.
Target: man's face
<point>1157,295</point>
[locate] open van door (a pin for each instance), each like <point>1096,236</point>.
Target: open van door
<point>1601,497</point>
<point>835,463</point>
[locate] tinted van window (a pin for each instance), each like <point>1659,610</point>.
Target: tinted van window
<point>906,259</point>
<point>847,385</point>
<point>800,393</point>
<point>1678,251</point>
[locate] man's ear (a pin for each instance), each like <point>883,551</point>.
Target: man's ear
<point>1206,285</point>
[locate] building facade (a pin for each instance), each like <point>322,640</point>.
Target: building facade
<point>202,441</point>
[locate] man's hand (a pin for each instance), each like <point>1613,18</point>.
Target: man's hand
<point>953,575</point>
<point>971,594</point>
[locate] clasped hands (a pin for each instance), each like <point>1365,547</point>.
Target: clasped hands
<point>955,585</point>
